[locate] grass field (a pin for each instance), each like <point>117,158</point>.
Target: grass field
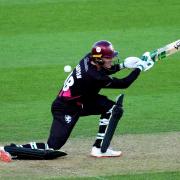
<point>39,37</point>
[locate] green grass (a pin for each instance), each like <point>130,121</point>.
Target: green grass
<point>145,176</point>
<point>39,37</point>
<point>141,176</point>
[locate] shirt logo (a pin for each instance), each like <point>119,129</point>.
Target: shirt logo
<point>78,72</point>
<point>98,49</point>
<point>68,118</point>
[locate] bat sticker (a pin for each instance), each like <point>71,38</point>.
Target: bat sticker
<point>177,46</point>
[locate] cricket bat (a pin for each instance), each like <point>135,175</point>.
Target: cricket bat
<point>165,51</point>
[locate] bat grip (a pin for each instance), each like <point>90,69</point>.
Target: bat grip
<point>154,55</point>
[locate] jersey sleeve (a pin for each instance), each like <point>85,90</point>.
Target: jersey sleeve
<point>123,83</point>
<point>100,77</point>
<point>115,68</point>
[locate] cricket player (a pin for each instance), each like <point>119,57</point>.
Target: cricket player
<point>80,96</point>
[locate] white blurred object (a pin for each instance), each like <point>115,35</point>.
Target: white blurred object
<point>67,68</point>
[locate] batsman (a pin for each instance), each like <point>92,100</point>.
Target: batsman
<point>80,96</point>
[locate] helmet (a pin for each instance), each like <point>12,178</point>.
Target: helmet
<point>103,49</point>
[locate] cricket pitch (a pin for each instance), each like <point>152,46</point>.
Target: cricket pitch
<point>141,153</point>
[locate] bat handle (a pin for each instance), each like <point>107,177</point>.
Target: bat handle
<point>154,55</point>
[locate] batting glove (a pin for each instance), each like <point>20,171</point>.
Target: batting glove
<point>146,62</point>
<point>130,63</point>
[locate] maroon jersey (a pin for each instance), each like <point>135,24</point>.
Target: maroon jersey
<point>85,81</point>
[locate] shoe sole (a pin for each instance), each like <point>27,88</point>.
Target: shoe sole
<point>5,156</point>
<point>106,156</point>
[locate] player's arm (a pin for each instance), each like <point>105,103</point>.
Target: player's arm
<point>115,68</point>
<point>139,65</point>
<point>132,62</point>
<point>123,83</point>
<point>128,63</point>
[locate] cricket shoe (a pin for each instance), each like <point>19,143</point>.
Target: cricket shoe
<point>5,156</point>
<point>96,152</point>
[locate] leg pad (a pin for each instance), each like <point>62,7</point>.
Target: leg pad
<point>117,113</point>
<point>32,154</point>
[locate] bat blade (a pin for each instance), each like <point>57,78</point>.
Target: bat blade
<point>165,51</point>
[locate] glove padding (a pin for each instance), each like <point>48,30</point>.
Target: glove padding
<point>130,63</point>
<point>145,63</point>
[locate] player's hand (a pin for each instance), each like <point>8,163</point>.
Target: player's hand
<point>130,63</point>
<point>146,62</point>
